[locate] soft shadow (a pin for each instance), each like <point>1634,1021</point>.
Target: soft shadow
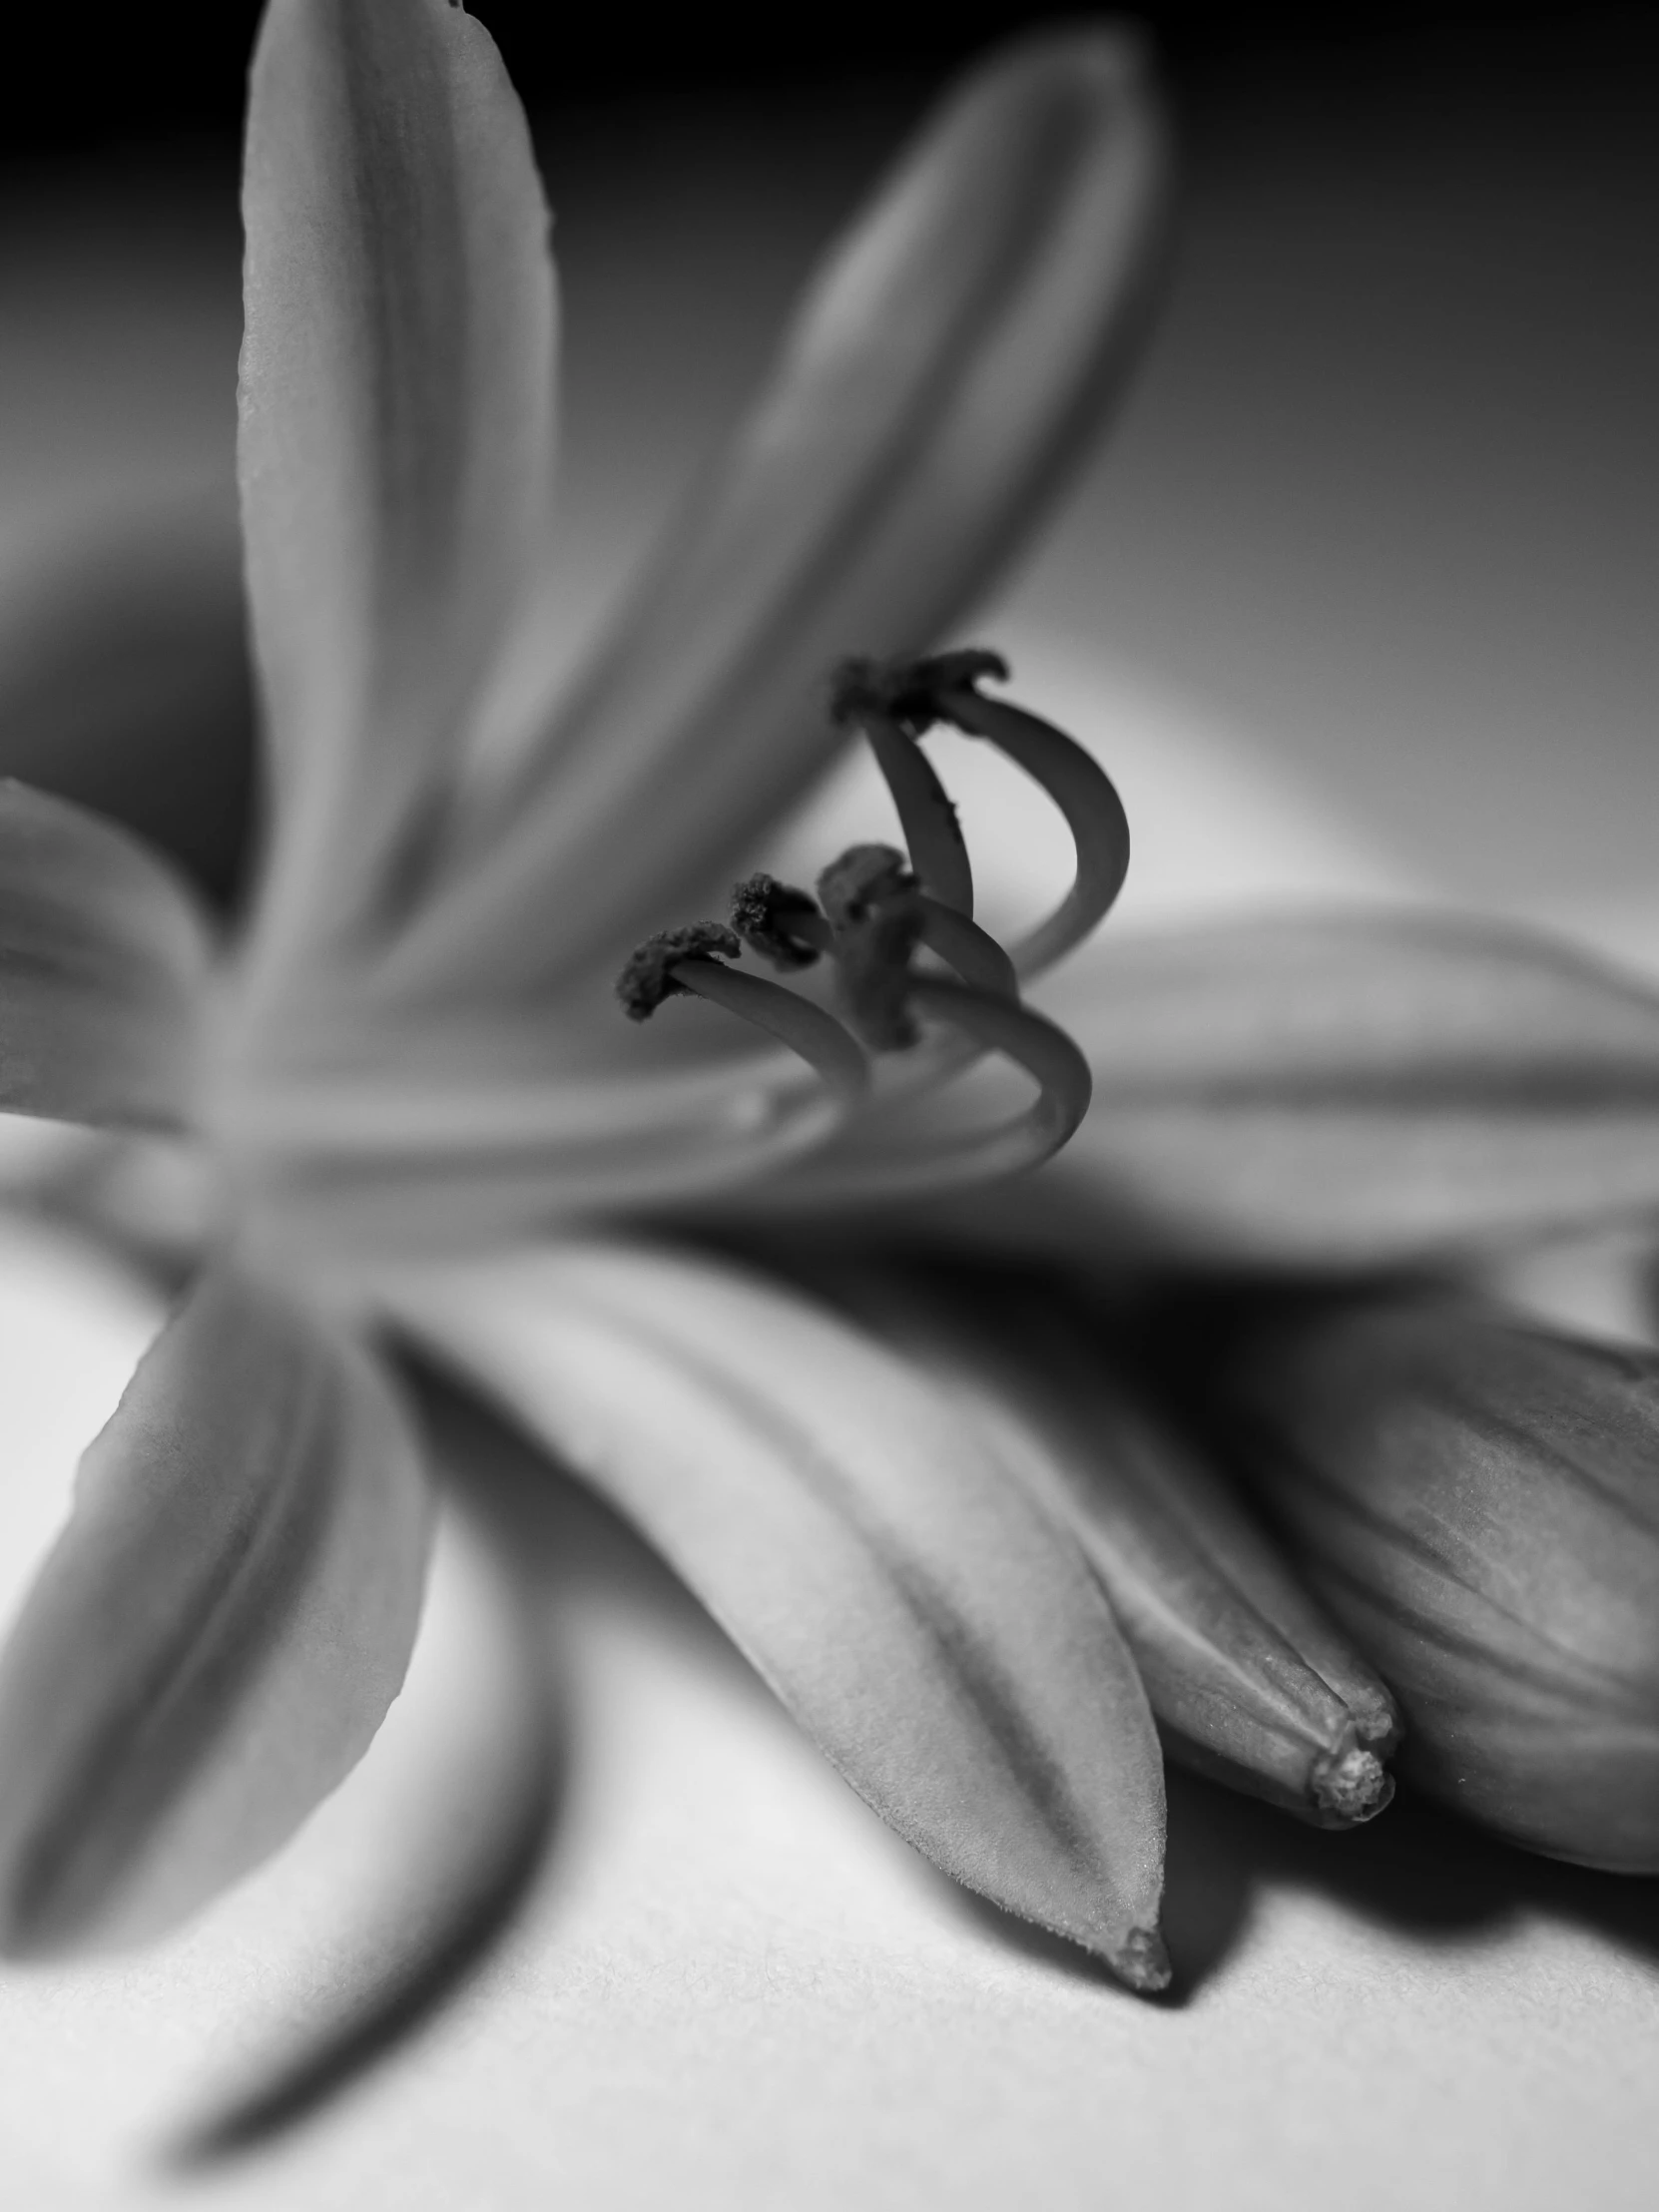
<point>1209,1894</point>
<point>337,2054</point>
<point>478,1903</point>
<point>1414,1869</point>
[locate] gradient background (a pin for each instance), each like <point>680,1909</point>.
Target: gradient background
<point>1360,603</point>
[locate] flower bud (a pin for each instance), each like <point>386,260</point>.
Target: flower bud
<point>1477,1502</point>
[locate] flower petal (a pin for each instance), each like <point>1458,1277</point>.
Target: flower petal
<point>103,964</point>
<point>1248,1680</point>
<point>930,1629</point>
<point>943,369</point>
<point>1477,1502</point>
<point>219,1630</point>
<point>1358,1088</point>
<point>397,416</point>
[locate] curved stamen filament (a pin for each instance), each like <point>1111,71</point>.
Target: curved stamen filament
<point>933,836</point>
<point>806,1027</point>
<point>973,952</point>
<point>995,1024</point>
<point>1084,794</point>
<point>875,907</point>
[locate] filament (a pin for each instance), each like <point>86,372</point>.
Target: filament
<point>939,853</point>
<point>807,1030</point>
<point>973,952</point>
<point>941,1162</point>
<point>875,908</point>
<point>1085,796</point>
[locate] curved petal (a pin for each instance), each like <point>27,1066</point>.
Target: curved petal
<point>1358,1088</point>
<point>219,1630</point>
<point>123,677</point>
<point>103,966</point>
<point>396,416</point>
<point>941,372</point>
<point>933,1631</point>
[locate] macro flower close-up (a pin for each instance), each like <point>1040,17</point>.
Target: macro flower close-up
<point>703,1067</point>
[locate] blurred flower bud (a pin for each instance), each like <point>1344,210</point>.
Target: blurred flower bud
<point>1478,1502</point>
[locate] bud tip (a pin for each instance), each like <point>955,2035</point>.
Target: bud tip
<point>1351,1786</point>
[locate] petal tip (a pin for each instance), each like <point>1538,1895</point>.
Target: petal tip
<point>1142,1964</point>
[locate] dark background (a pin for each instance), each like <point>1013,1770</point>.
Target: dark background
<point>97,79</point>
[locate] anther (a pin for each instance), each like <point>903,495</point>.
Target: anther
<point>649,975</point>
<point>783,924</point>
<point>683,960</point>
<point>911,693</point>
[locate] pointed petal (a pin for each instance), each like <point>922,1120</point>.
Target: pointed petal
<point>1247,1678</point>
<point>933,1631</point>
<point>103,966</point>
<point>396,413</point>
<point>960,342</point>
<point>219,1630</point>
<point>1359,1088</point>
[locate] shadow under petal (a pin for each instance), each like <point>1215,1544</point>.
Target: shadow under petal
<point>474,1900</point>
<point>1425,1872</point>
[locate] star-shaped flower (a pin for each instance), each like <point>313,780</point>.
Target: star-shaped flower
<point>409,1065</point>
<point>908,1492</point>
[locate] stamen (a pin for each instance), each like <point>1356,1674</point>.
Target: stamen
<point>1034,1043</point>
<point>678,960</point>
<point>779,923</point>
<point>909,691</point>
<point>932,832</point>
<point>875,906</point>
<point>917,694</point>
<point>973,952</point>
<point>806,1027</point>
<point>648,977</point>
<point>941,1162</point>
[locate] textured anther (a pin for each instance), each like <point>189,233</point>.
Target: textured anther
<point>912,694</point>
<point>648,977</point>
<point>876,910</point>
<point>776,921</point>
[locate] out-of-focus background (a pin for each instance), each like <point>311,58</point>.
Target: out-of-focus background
<point>1357,603</point>
<point>1362,590</point>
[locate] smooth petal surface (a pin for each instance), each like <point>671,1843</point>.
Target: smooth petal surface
<point>943,370</point>
<point>217,1632</point>
<point>933,1631</point>
<point>1480,1502</point>
<point>103,964</point>
<point>1358,1088</point>
<point>1247,1678</point>
<point>396,416</point>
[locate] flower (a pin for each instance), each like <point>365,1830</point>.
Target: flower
<point>418,1102</point>
<point>404,1091</point>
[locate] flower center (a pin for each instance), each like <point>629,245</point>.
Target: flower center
<point>908,958</point>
